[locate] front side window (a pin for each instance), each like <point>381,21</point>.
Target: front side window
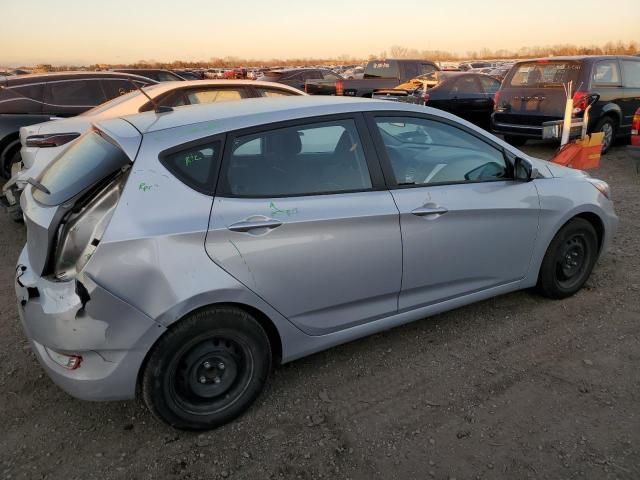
<point>631,73</point>
<point>74,93</point>
<point>195,166</point>
<point>317,158</point>
<point>426,68</point>
<point>424,152</point>
<point>606,73</point>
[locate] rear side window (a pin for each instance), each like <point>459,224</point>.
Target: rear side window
<point>606,73</point>
<point>196,167</point>
<point>631,73</point>
<point>544,74</point>
<point>114,88</point>
<point>74,93</point>
<point>21,99</point>
<point>317,158</point>
<point>381,69</point>
<point>88,161</point>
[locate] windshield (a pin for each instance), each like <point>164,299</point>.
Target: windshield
<point>545,74</point>
<point>88,161</point>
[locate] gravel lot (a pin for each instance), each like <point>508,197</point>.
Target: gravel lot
<point>514,387</point>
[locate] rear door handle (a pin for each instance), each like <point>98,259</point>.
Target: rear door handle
<point>248,225</point>
<point>424,211</point>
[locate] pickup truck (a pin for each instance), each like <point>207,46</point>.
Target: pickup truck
<point>378,74</point>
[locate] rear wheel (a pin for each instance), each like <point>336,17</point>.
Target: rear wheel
<point>208,369</point>
<point>515,140</point>
<point>8,157</point>
<point>607,126</point>
<point>569,260</point>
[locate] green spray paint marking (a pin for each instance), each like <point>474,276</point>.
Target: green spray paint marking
<point>144,187</point>
<point>192,158</point>
<point>276,211</point>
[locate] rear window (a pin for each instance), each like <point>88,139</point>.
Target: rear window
<point>382,69</point>
<point>544,74</point>
<point>88,161</point>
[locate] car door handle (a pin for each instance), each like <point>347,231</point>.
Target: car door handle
<point>424,211</point>
<point>248,225</point>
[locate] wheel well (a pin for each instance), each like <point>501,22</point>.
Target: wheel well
<point>4,143</point>
<point>597,224</point>
<point>265,322</point>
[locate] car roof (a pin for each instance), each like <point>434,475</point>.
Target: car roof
<point>576,58</point>
<point>53,76</point>
<point>226,116</point>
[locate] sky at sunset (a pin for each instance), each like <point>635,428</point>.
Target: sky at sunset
<point>118,31</point>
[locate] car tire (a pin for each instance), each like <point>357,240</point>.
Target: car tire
<point>515,140</point>
<point>9,156</point>
<point>608,126</point>
<point>207,369</point>
<point>569,260</point>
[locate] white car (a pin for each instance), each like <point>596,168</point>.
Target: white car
<point>43,142</point>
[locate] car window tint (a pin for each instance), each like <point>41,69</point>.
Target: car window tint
<point>410,70</point>
<point>465,84</point>
<point>606,73</point>
<point>631,73</point>
<point>196,167</point>
<point>76,93</point>
<point>490,85</point>
<point>426,68</point>
<point>164,76</point>
<point>423,152</point>
<point>114,88</point>
<point>210,96</point>
<point>327,75</point>
<point>540,73</point>
<point>308,159</point>
<point>21,99</point>
<point>267,92</point>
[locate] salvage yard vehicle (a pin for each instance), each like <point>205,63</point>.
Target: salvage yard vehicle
<point>42,143</point>
<point>468,95</point>
<point>180,255</point>
<point>533,93</point>
<point>378,74</point>
<point>29,99</point>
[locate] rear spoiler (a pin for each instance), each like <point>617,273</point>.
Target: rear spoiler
<point>122,134</point>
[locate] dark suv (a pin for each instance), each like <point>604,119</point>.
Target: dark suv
<point>29,99</point>
<point>533,93</point>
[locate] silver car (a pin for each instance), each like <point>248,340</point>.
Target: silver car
<point>180,255</point>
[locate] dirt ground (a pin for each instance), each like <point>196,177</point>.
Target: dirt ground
<point>514,387</point>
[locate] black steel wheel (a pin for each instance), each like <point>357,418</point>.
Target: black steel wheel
<point>569,259</point>
<point>208,369</point>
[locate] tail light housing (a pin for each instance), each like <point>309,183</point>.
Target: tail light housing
<point>635,129</point>
<point>496,99</point>
<point>425,98</point>
<point>306,88</point>
<point>339,88</point>
<point>50,140</point>
<point>580,101</point>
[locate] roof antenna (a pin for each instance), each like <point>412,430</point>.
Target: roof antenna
<point>156,108</point>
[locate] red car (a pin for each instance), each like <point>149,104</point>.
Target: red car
<point>634,148</point>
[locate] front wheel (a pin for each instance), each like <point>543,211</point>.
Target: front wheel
<point>208,369</point>
<point>569,260</point>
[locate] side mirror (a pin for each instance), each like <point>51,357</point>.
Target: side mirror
<point>523,170</point>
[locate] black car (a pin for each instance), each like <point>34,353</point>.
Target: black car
<point>157,74</point>
<point>29,99</point>
<point>533,92</point>
<point>297,77</point>
<point>467,95</point>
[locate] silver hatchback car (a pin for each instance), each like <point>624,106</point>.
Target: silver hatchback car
<point>179,256</point>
